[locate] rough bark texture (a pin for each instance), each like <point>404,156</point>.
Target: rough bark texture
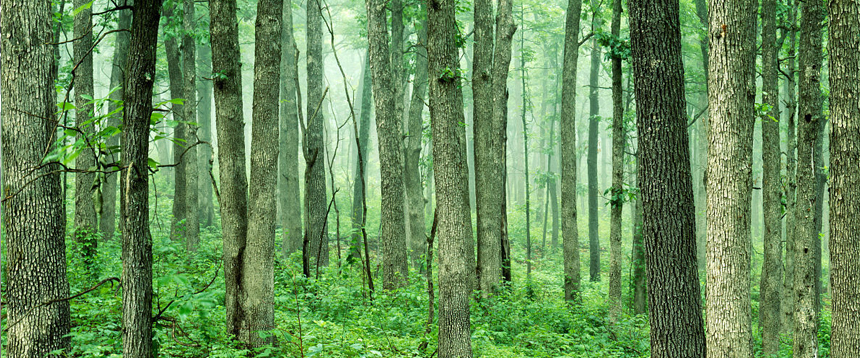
<point>34,217</point>
<point>205,159</point>
<point>189,71</point>
<point>316,200</point>
<point>258,300</point>
<point>392,231</point>
<point>570,233</point>
<point>593,122</point>
<point>289,198</point>
<point>844,177</point>
<point>791,177</point>
<point>107,217</point>
<point>224,36</point>
<point>805,344</point>
<point>665,181</point>
<point>415,133</point>
<point>86,186</point>
<point>731,94</point>
<point>452,192</point>
<point>771,275</point>
<point>360,176</point>
<point>180,139</point>
<point>617,198</point>
<point>134,189</point>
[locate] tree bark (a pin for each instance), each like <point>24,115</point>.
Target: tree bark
<point>316,199</point>
<point>702,150</point>
<point>593,122</point>
<point>289,208</point>
<point>791,177</point>
<point>189,71</point>
<point>134,202</point>
<point>86,186</point>
<point>230,125</point>
<point>731,94</point>
<point>665,181</point>
<point>33,209</point>
<point>388,128</point>
<point>412,159</point>
<point>180,138</point>
<point>204,153</point>
<point>844,68</point>
<point>452,192</point>
<point>617,198</point>
<point>640,298</point>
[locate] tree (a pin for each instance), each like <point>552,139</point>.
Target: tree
<point>316,232</point>
<point>180,138</point>
<point>450,170</point>
<point>593,122</point>
<point>618,139</point>
<point>731,93</point>
<point>771,276</point>
<point>415,133</point>
<point>134,201</point>
<point>204,152</point>
<point>189,62</point>
<point>844,178</point>
<point>289,203</point>
<point>33,210</point>
<point>665,181</point>
<point>258,263</point>
<point>360,177</point>
<point>791,175</point>
<point>388,128</point>
<point>570,234</point>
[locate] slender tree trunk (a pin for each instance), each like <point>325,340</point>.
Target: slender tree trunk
<point>180,138</point>
<point>290,207</point>
<point>204,152</point>
<point>450,168</point>
<point>134,201</point>
<point>617,198</point>
<point>412,159</point>
<point>805,344</point>
<point>844,178</point>
<point>86,184</point>
<point>818,208</point>
<point>570,234</point>
<point>702,138</point>
<point>665,181</point>
<point>731,94</point>
<point>360,176</point>
<point>791,177</point>
<point>259,256</point>
<point>593,122</point>
<point>33,210</point>
<point>639,280</point>
<point>316,198</point>
<point>189,71</point>
<point>388,129</point>
<point>230,125</point>
<point>107,219</point>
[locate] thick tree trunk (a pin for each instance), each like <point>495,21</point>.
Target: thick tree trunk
<point>289,198</point>
<point>617,198</point>
<point>107,219</point>
<point>189,71</point>
<point>593,122</point>
<point>450,168</point>
<point>259,256</point>
<point>134,201</point>
<point>180,139</point>
<point>86,186</point>
<point>230,127</point>
<point>791,178</point>
<point>665,181</point>
<point>805,344</point>
<point>33,210</point>
<point>412,158</point>
<point>316,199</point>
<point>731,94</point>
<point>360,175</point>
<point>388,128</point>
<point>570,233</point>
<point>844,177</point>
<point>205,160</point>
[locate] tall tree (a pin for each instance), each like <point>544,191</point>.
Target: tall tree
<point>360,176</point>
<point>702,144</point>
<point>665,181</point>
<point>791,175</point>
<point>845,179</point>
<point>204,151</point>
<point>771,275</point>
<point>414,135</point>
<point>316,232</point>
<point>731,94</point>
<point>189,72</point>
<point>86,220</point>
<point>134,201</point>
<point>593,122</point>
<point>107,219</point>
<point>617,198</point>
<point>805,343</point>
<point>230,125</point>
<point>180,139</point>
<point>258,263</point>
<point>450,168</point>
<point>289,203</point>
<point>570,234</point>
<point>33,210</point>
<point>388,128</point>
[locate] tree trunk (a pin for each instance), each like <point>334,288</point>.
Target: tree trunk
<point>702,138</point>
<point>665,181</point>
<point>805,344</point>
<point>134,201</point>
<point>731,94</point>
<point>412,159</point>
<point>259,256</point>
<point>189,71</point>
<point>452,192</point>
<point>180,138</point>
<point>107,219</point>
<point>204,151</point>
<point>316,199</point>
<point>360,175</point>
<point>388,128</point>
<point>640,298</point>
<point>290,208</point>
<point>86,186</point>
<point>570,233</point>
<point>230,126</point>
<point>791,178</point>
<point>593,122</point>
<point>844,178</point>
<point>33,210</point>
<point>771,276</point>
<point>617,198</point>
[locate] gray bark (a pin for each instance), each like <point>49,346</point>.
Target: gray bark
<point>205,159</point>
<point>617,198</point>
<point>86,186</point>
<point>415,134</point>
<point>593,122</point>
<point>189,71</point>
<point>289,203</point>
<point>316,199</point>
<point>570,234</point>
<point>791,177</point>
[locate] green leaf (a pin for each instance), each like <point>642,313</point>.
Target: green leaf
<point>82,8</point>
<point>152,163</point>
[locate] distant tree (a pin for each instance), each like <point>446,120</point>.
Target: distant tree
<point>189,76</point>
<point>289,202</point>
<point>86,220</point>
<point>360,176</point>
<point>204,151</point>
<point>414,135</point>
<point>316,232</point>
<point>177,88</point>
<point>616,199</point>
<point>593,133</point>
